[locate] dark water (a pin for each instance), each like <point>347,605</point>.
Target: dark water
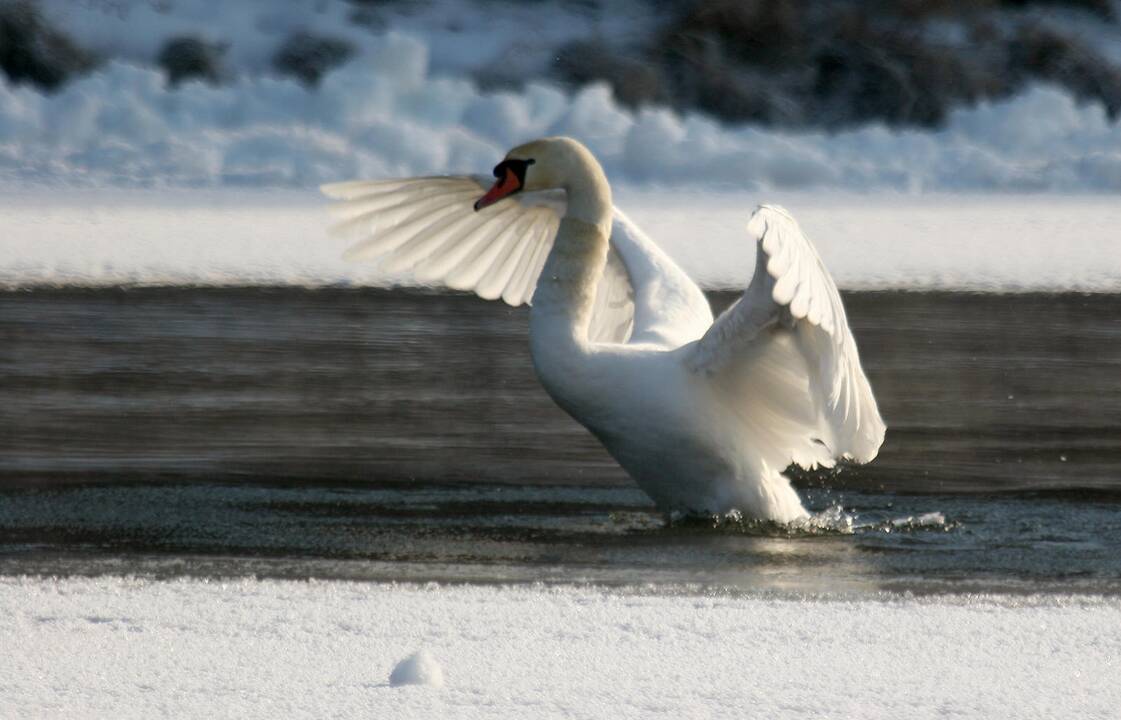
<point>401,435</point>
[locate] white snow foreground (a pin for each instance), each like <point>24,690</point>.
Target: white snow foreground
<point>113,647</point>
<point>878,241</point>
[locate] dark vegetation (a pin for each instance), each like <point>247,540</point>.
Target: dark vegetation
<point>308,57</point>
<point>1049,55</point>
<point>33,52</point>
<point>830,63</point>
<point>794,63</point>
<point>191,58</point>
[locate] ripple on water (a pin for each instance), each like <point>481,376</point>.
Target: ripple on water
<point>832,520</point>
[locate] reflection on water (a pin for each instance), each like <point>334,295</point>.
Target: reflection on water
<point>402,435</point>
<point>980,392</point>
<point>500,533</point>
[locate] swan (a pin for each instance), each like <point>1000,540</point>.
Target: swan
<point>704,415</point>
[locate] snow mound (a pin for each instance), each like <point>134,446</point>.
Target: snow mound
<point>420,668</point>
<point>386,114</point>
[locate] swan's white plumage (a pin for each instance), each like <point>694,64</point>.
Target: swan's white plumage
<point>804,285</point>
<point>704,415</point>
<point>428,226</point>
<point>669,309</point>
<point>794,374</point>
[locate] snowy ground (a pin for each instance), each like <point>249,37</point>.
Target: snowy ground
<point>110,647</point>
<point>1015,194</point>
<point>868,241</point>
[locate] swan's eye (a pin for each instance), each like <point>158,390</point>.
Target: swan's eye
<point>507,168</point>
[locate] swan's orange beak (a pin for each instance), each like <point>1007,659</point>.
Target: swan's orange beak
<point>506,185</point>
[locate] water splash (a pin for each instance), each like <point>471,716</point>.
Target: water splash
<point>832,520</point>
<point>927,521</point>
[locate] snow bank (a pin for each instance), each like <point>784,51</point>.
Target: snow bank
<point>386,114</point>
<point>135,30</point>
<point>213,237</point>
<point>463,37</point>
<point>109,647</point>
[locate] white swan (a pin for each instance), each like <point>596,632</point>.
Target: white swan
<point>704,415</point>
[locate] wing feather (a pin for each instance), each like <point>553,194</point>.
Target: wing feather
<point>378,202</point>
<point>396,229</point>
<point>437,267</point>
<point>792,275</point>
<point>428,227</point>
<point>497,271</point>
<point>435,238</point>
<point>469,274</point>
<point>542,244</point>
<point>515,284</point>
<point>669,309</point>
<point>613,311</point>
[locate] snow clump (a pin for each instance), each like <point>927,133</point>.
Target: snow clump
<point>420,668</point>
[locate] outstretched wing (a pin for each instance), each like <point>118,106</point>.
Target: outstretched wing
<point>428,226</point>
<point>834,407</point>
<point>669,309</point>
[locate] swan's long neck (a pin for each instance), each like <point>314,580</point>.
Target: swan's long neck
<point>566,290</point>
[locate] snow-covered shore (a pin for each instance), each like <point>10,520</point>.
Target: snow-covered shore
<point>1001,243</point>
<point>118,647</point>
<point>122,178</point>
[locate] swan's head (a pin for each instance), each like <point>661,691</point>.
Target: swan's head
<point>546,164</point>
